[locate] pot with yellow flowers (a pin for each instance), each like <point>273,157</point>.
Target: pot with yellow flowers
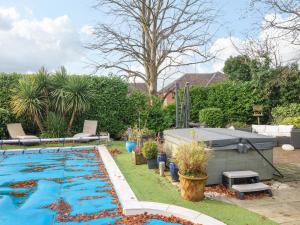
<point>191,160</point>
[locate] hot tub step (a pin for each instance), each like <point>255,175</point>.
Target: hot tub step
<point>230,178</point>
<point>240,189</point>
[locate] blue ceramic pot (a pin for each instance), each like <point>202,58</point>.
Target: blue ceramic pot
<point>174,172</point>
<point>162,157</point>
<point>130,145</point>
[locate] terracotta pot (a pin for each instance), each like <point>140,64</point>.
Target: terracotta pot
<point>192,188</point>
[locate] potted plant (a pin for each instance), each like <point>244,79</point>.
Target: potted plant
<point>149,151</point>
<point>131,142</point>
<point>295,135</point>
<point>137,156</point>
<point>240,126</point>
<point>191,160</point>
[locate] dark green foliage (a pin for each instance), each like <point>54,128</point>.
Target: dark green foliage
<point>212,117</point>
<point>55,126</point>
<point>170,115</point>
<point>198,101</point>
<point>4,119</point>
<point>234,98</point>
<point>281,112</point>
<point>280,86</point>
<point>154,117</point>
<point>109,105</point>
<point>8,81</point>
<point>238,68</point>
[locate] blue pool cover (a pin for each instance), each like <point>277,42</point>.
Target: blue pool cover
<point>64,188</point>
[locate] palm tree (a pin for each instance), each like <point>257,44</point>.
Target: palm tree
<point>78,96</point>
<point>58,94</point>
<point>43,82</point>
<point>28,100</point>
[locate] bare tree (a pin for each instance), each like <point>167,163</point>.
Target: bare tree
<point>284,16</point>
<point>151,37</point>
<point>260,49</point>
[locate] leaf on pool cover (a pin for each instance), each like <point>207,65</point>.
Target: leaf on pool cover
<point>24,184</point>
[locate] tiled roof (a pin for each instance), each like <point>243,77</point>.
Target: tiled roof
<point>196,79</point>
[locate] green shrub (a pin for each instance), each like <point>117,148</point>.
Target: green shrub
<point>149,150</point>
<point>4,119</point>
<point>192,159</point>
<point>213,117</point>
<point>291,121</point>
<point>55,126</point>
<point>281,112</point>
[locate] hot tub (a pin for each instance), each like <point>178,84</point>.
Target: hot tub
<point>230,151</point>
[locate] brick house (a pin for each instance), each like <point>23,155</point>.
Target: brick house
<point>194,79</point>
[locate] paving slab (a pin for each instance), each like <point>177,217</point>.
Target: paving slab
<point>284,206</point>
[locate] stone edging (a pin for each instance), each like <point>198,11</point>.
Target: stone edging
<point>132,206</point>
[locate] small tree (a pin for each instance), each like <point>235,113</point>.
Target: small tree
<point>238,68</point>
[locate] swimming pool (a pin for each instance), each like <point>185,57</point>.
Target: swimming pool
<point>68,187</point>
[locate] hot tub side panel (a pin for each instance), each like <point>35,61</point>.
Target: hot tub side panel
<point>232,160</point>
<point>228,160</point>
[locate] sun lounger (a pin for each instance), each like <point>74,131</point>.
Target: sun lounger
<point>89,129</point>
<point>15,131</point>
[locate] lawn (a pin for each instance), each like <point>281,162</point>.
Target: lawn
<point>149,186</point>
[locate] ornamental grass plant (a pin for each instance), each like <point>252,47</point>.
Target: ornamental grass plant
<point>192,159</point>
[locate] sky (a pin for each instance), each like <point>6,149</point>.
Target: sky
<point>52,33</point>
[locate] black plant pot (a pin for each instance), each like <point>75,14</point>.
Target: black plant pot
<point>152,163</point>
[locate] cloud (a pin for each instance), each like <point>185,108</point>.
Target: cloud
<point>87,30</point>
<point>7,17</point>
<point>28,44</point>
<point>223,48</point>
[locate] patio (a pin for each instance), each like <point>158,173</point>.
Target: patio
<point>284,206</point>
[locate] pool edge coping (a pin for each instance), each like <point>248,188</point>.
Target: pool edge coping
<point>132,206</point>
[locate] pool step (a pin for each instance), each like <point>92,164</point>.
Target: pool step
<point>244,181</point>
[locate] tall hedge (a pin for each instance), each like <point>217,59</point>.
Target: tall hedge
<point>235,99</point>
<point>212,117</point>
<point>7,82</point>
<point>4,119</point>
<point>109,105</point>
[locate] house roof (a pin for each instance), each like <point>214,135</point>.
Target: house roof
<point>196,79</point>
<point>139,87</point>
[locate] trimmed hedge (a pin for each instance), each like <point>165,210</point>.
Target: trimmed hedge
<point>4,119</point>
<point>234,98</point>
<point>212,117</point>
